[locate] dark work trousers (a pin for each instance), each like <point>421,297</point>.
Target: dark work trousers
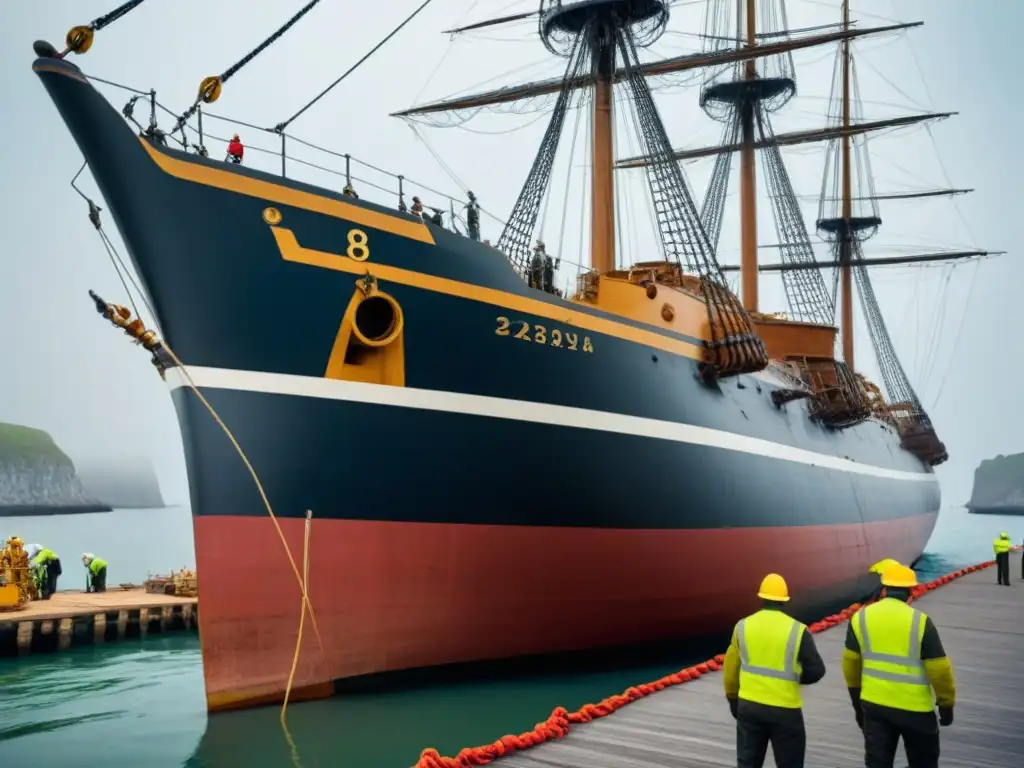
<point>52,572</point>
<point>1003,568</point>
<point>99,580</point>
<point>758,725</point>
<point>883,729</point>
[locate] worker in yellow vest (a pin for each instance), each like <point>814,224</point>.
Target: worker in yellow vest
<point>1001,547</point>
<point>771,655</point>
<point>892,663</point>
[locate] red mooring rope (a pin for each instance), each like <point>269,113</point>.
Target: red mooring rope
<point>559,722</point>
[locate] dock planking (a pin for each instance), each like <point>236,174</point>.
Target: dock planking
<point>689,726</point>
<point>72,619</point>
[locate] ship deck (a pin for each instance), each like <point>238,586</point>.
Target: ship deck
<point>74,618</point>
<point>688,726</point>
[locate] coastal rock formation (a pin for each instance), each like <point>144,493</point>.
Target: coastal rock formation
<point>37,477</point>
<point>999,486</point>
<point>124,483</point>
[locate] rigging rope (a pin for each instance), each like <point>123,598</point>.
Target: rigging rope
<point>281,126</point>
<point>303,578</point>
<point>210,88</point>
<point>79,39</point>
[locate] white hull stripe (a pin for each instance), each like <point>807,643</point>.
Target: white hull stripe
<point>521,410</point>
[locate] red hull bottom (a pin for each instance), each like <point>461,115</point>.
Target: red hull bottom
<point>396,596</point>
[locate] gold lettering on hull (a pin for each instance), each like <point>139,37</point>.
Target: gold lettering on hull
<point>536,333</point>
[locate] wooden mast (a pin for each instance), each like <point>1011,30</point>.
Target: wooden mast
<point>602,189</point>
<point>846,243</point>
<point>748,176</point>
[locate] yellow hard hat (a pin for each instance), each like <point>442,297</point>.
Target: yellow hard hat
<point>773,587</point>
<point>899,576</point>
<point>882,565</point>
<point>1004,535</point>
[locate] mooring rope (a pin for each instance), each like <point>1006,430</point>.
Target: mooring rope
<point>303,577</point>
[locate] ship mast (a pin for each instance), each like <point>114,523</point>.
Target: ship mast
<point>748,173</point>
<point>602,184</point>
<point>846,243</point>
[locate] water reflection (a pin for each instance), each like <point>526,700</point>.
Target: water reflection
<point>131,701</point>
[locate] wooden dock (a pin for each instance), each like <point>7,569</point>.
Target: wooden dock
<point>71,619</point>
<point>689,726</point>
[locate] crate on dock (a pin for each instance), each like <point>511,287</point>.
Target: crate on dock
<point>186,584</point>
<point>159,585</point>
<point>183,583</point>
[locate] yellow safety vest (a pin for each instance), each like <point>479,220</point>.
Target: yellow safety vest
<point>1001,546</point>
<point>892,674</point>
<point>769,642</point>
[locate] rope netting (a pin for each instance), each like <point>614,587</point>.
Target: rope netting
<point>560,722</point>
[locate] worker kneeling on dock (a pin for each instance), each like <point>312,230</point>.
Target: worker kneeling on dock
<point>771,655</point>
<point>892,661</point>
<point>96,573</point>
<point>46,568</point>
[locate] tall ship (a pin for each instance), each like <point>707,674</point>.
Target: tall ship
<point>498,466</point>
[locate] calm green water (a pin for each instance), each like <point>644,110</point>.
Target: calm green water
<point>141,703</point>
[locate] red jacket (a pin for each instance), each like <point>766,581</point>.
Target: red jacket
<point>235,148</point>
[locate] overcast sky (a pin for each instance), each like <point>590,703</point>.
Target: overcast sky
<point>64,370</point>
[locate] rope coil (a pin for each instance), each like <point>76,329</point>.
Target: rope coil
<point>560,721</point>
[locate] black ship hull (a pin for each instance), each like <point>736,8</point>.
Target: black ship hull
<point>538,476</point>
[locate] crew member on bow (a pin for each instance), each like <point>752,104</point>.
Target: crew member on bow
<point>771,655</point>
<point>417,207</point>
<point>1001,547</point>
<point>235,150</point>
<point>892,664</point>
<point>96,573</point>
<point>473,216</point>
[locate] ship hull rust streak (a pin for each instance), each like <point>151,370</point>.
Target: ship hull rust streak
<point>446,511</point>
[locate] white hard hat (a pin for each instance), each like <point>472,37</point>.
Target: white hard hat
<point>88,557</point>
<point>32,550</point>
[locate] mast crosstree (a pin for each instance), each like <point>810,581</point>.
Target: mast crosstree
<point>601,40</point>
<point>749,75</point>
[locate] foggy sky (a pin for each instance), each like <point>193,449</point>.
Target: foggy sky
<point>64,370</point>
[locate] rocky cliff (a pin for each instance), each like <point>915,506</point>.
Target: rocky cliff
<point>37,477</point>
<point>999,486</point>
<point>127,483</point>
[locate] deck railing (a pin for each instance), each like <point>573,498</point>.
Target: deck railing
<point>283,153</point>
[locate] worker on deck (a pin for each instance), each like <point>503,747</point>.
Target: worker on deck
<point>235,150</point>
<point>1001,547</point>
<point>46,566</point>
<point>878,569</point>
<point>542,268</point>
<point>771,655</point>
<point>892,663</point>
<point>473,216</point>
<point>349,191</point>
<point>96,573</point>
<point>417,207</point>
